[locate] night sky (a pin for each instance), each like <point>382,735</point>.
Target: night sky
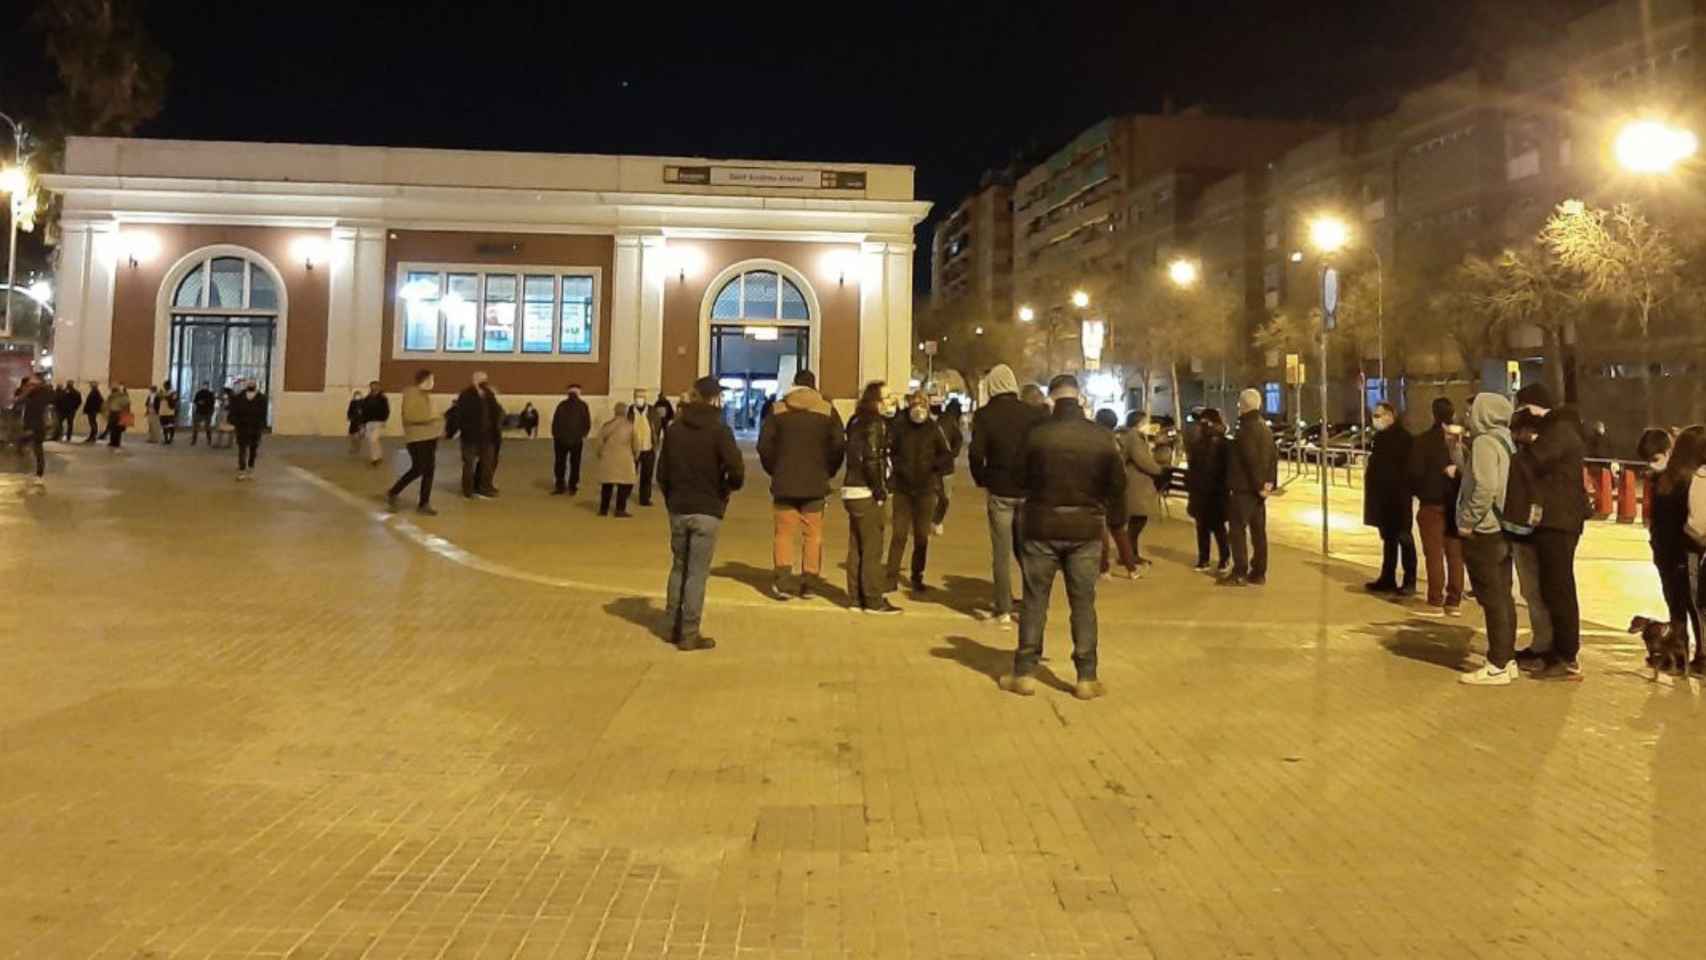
<point>951,88</point>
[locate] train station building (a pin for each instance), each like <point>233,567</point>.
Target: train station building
<point>316,269</point>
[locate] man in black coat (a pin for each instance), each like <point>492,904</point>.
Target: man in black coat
<point>697,470</point>
<point>1436,463</point>
<point>248,417</point>
<point>1386,497</point>
<point>35,400</point>
<point>800,445</point>
<point>1074,485</point>
<point>920,456</point>
<point>570,424</point>
<point>997,440</point>
<point>92,403</point>
<point>1205,486</point>
<point>1252,475</point>
<point>1554,461</point>
<point>478,417</point>
<point>66,404</point>
<point>201,413</point>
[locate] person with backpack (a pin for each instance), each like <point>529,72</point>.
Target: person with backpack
<point>1486,551</point>
<point>1525,428</point>
<point>1561,511</point>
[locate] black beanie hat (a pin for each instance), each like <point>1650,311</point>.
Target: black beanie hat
<point>1535,394</point>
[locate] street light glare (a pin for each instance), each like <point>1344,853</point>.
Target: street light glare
<point>1650,146</point>
<point>14,180</point>
<point>1026,314</point>
<point>1182,272</point>
<point>1329,234</point>
<point>1080,299</point>
<point>41,292</point>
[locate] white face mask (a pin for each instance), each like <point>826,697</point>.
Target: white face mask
<point>1382,422</point>
<point>1660,462</point>
<point>427,384</point>
<point>918,414</point>
<point>251,392</point>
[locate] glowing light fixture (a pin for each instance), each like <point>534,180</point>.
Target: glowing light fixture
<point>762,333</point>
<point>139,247</point>
<point>1026,314</point>
<point>309,250</point>
<point>1329,234</point>
<point>14,180</point>
<point>1652,146</point>
<point>1182,272</point>
<point>41,292</point>
<point>1080,299</point>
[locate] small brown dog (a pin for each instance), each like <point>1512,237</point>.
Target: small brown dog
<point>1667,646</point>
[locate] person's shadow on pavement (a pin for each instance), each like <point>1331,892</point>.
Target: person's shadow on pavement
<point>760,578</point>
<point>992,662</point>
<point>640,612</point>
<point>1441,645</point>
<point>961,594</point>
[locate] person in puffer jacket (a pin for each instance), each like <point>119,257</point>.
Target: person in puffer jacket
<point>800,446</point>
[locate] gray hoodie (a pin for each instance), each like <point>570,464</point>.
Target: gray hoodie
<point>1489,467</point>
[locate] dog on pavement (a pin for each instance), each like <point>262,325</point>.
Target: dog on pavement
<point>1667,645</point>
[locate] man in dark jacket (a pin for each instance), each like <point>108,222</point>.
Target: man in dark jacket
<point>1074,484</point>
<point>201,414</point>
<point>1386,497</point>
<point>800,446</point>
<point>375,413</point>
<point>1554,460</point>
<point>35,400</point>
<point>248,417</point>
<point>920,454</point>
<point>570,424</point>
<point>92,404</point>
<point>1252,474</point>
<point>697,470</point>
<point>997,439</point>
<point>66,404</point>
<point>1205,486</point>
<point>478,417</point>
<point>1436,465</point>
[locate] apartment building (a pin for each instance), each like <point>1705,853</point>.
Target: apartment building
<point>971,262</point>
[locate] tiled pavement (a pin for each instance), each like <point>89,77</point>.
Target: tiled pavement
<point>257,721</point>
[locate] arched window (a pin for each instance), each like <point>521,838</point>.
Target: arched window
<point>224,322</point>
<point>224,285</point>
<point>761,296</point>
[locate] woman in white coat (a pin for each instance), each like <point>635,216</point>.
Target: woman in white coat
<point>618,458</point>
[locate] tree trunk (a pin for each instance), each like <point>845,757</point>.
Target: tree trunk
<point>1647,376</point>
<point>1178,407</point>
<point>1553,351</point>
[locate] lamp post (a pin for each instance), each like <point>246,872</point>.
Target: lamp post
<point>15,183</point>
<point>1183,274</point>
<point>1329,235</point>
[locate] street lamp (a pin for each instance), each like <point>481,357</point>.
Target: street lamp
<point>1328,235</point>
<point>1080,299</point>
<point>1026,314</point>
<point>1182,272</point>
<point>15,182</point>
<point>1653,146</point>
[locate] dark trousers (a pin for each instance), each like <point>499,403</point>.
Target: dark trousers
<point>67,427</point>
<point>199,424</point>
<point>34,441</point>
<point>478,462</point>
<point>1212,527</point>
<point>1556,552</point>
<point>248,446</point>
<point>1678,580</point>
<point>1442,552</point>
<point>939,516</point>
<point>94,427</point>
<point>1126,538</point>
<point>423,458</point>
<point>1488,559</point>
<point>692,541</point>
<point>648,464</point>
<point>168,429</point>
<point>866,581</point>
<point>1079,562</point>
<point>566,456</point>
<point>912,516</point>
<point>1393,546</point>
<point>621,490</point>
<point>1247,523</point>
<point>115,434</point>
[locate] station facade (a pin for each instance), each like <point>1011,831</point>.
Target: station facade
<point>317,269</point>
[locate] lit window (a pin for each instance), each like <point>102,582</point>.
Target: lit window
<point>420,302</point>
<point>226,288</point>
<point>262,294</point>
<point>761,295</point>
<point>189,290</point>
<point>538,325</point>
<point>544,312</point>
<point>500,313</point>
<point>462,312</point>
<point>577,314</point>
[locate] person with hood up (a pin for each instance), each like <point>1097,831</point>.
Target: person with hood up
<point>1486,551</point>
<point>93,405</point>
<point>864,493</point>
<point>1554,460</point>
<point>119,416</point>
<point>1205,487</point>
<point>1252,475</point>
<point>478,417</point>
<point>998,431</point>
<point>66,404</point>
<point>1387,500</point>
<point>1436,464</point>
<point>618,456</point>
<point>920,457</point>
<point>375,412</point>
<point>570,424</point>
<point>800,446</point>
<point>420,434</point>
<point>248,417</point>
<point>646,438</point>
<point>697,470</point>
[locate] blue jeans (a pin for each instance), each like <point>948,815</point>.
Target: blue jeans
<point>1081,563</point>
<point>692,540</point>
<point>1004,540</point>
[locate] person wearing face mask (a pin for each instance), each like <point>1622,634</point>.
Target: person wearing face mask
<point>952,420</point>
<point>919,456</point>
<point>644,435</point>
<point>1205,485</point>
<point>1386,502</point>
<point>248,418</point>
<point>420,434</point>
<point>478,417</point>
<point>1252,475</point>
<point>119,417</point>
<point>1680,468</point>
<point>1436,466</point>
<point>998,431</point>
<point>1142,496</point>
<point>1555,461</point>
<point>570,423</point>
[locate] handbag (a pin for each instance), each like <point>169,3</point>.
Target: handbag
<point>127,419</point>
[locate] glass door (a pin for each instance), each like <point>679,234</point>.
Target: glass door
<point>219,351</point>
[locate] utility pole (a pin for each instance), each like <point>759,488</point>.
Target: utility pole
<point>14,204</point>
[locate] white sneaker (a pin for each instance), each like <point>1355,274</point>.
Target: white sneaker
<point>937,529</point>
<point>241,476</point>
<point>1489,676</point>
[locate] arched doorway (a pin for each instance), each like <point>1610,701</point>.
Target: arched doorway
<point>760,319</point>
<point>224,308</point>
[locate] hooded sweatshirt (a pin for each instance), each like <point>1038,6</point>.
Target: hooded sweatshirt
<point>801,445</point>
<point>998,431</point>
<point>1490,449</point>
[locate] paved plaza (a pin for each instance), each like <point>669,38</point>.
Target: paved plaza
<point>264,720</point>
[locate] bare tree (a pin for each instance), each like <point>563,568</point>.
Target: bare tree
<point>1521,286</point>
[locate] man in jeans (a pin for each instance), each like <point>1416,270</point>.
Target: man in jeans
<point>1436,461</point>
<point>800,446</point>
<point>1073,478</point>
<point>697,470</point>
<point>1486,551</point>
<point>1554,460</point>
<point>997,439</point>
<point>1252,473</point>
